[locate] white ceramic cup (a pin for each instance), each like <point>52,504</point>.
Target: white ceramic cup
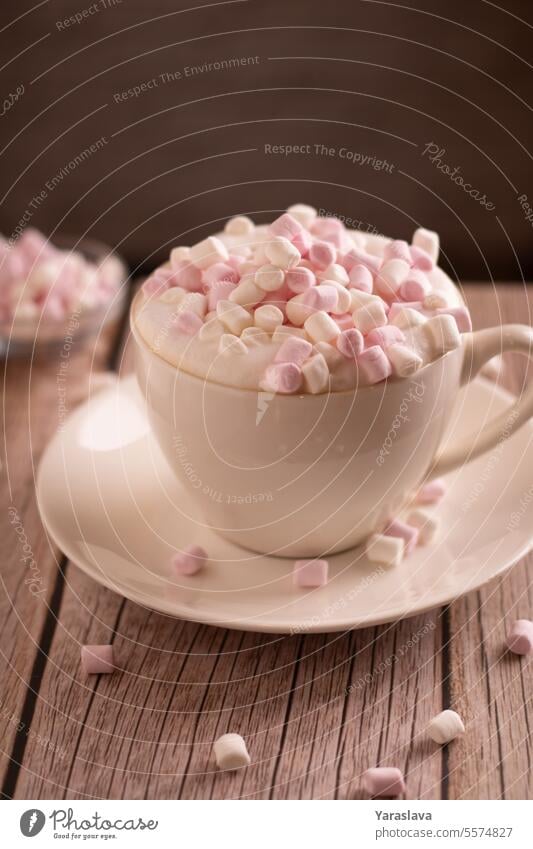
<point>308,475</point>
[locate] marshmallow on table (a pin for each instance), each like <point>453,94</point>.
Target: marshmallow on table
<point>350,343</point>
<point>303,213</point>
<point>234,317</point>
<point>315,373</point>
<point>370,316</point>
<point>445,727</point>
<point>269,277</point>
<point>241,225</point>
<point>361,278</point>
<point>285,378</point>
<point>310,573</point>
<point>96,660</point>
<point>268,317</point>
<point>408,533</point>
<point>230,752</point>
<point>427,525</point>
<point>403,359</point>
<point>208,251</point>
<point>431,492</point>
<point>386,550</point>
<point>443,333</point>
<point>428,241</point>
<point>293,350</point>
<point>520,637</point>
<point>373,365</point>
<point>383,781</point>
<point>320,327</point>
<point>279,251</point>
<point>190,560</point>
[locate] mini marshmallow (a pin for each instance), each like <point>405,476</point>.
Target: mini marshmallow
<point>427,525</point>
<point>310,573</point>
<point>230,752</point>
<point>219,272</point>
<point>520,637</point>
<point>390,277</point>
<point>445,727</point>
<point>324,297</point>
<point>360,257</point>
<point>211,329</point>
<point>190,560</point>
<point>254,337</point>
<point>281,333</point>
<point>241,225</point>
<point>332,356</point>
<point>384,781</point>
<point>344,321</point>
<point>421,259</point>
<point>335,272</point>
<point>269,277</point>
<point>178,255</point>
<point>386,550</point>
<point>285,378</point>
<point>303,213</point>
<point>219,292</point>
<point>298,309</point>
<point>315,373</point>
<point>415,287</point>
<point>302,242</point>
<point>397,249</point>
<point>209,251</point>
<point>322,254</point>
<point>231,344</point>
<point>408,533</point>
<point>385,336</point>
<point>246,293</point>
<point>404,360</point>
<point>187,322</point>
<point>282,253</point>
<point>350,343</point>
<point>233,317</point>
<point>97,660</point>
<point>369,317</point>
<point>435,301</point>
<point>461,316</point>
<point>443,334</point>
<point>361,278</point>
<point>428,241</point>
<point>431,492</point>
<point>268,317</point>
<point>299,279</point>
<point>373,364</point>
<point>320,327</point>
<point>344,298</point>
<point>363,299</point>
<point>293,350</point>
<point>406,317</point>
<point>286,226</point>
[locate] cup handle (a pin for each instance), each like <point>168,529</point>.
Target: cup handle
<point>480,347</point>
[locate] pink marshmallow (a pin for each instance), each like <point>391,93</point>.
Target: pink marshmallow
<point>350,343</point>
<point>345,321</point>
<point>154,286</point>
<point>190,560</point>
<point>235,261</point>
<point>383,781</point>
<point>431,492</point>
<point>397,249</point>
<point>326,226</point>
<point>187,322</point>
<point>520,637</point>
<point>97,660</point>
<point>35,246</point>
<point>374,365</point>
<point>361,278</point>
<point>219,272</point>
<point>310,573</point>
<point>302,242</point>
<point>415,287</point>
<point>359,257</point>
<point>461,316</point>
<point>385,336</point>
<point>218,292</point>
<point>285,378</point>
<point>188,276</point>
<point>408,533</point>
<point>421,259</point>
<point>286,226</point>
<point>299,279</point>
<point>321,298</point>
<point>322,255</point>
<point>293,350</point>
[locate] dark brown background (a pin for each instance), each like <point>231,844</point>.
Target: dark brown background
<point>385,79</point>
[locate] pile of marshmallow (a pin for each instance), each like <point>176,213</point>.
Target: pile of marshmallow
<point>40,282</point>
<point>308,283</point>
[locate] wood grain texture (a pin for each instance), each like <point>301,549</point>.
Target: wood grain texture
<point>316,710</point>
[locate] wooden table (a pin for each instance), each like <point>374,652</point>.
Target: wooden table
<point>146,731</point>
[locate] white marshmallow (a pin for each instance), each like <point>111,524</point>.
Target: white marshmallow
<point>270,278</point>
<point>344,300</point>
<point>427,525</point>
<point>268,317</point>
<point>195,302</point>
<point>407,317</point>
<point>428,241</point>
<point>320,327</point>
<point>297,310</point>
<point>179,254</point>
<point>246,293</point>
<point>370,317</point>
<point>281,333</point>
<point>234,317</point>
<point>442,333</point>
<point>331,354</point>
<point>362,299</point>
<point>211,329</point>
<point>391,276</point>
<point>446,726</point>
<point>230,752</point>
<point>404,360</point>
<point>384,549</point>
<point>241,225</point>
<point>230,344</point>
<point>303,213</point>
<point>435,301</point>
<point>316,374</point>
<point>255,336</point>
<point>209,251</point>
<point>279,251</point>
<point>334,272</point>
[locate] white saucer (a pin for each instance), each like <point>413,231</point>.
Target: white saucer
<point>110,502</point>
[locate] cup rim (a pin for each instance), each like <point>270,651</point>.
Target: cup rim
<point>390,381</point>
